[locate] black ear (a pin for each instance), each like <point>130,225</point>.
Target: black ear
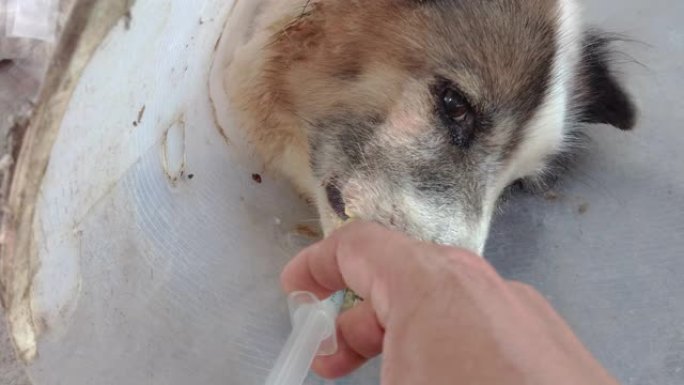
<point>600,96</point>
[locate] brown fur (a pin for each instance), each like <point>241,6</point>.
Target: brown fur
<point>342,96</point>
<point>313,54</point>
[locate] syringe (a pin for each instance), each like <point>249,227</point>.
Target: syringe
<point>313,334</point>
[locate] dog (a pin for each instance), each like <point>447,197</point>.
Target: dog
<point>418,114</point>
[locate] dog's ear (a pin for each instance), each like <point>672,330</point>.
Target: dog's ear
<point>600,96</point>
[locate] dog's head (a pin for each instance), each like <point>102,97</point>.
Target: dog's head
<point>420,113</point>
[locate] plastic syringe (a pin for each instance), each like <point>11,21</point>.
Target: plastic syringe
<point>313,334</point>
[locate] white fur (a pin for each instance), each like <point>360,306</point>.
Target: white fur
<point>547,129</point>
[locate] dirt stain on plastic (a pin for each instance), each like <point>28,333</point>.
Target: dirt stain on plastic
<point>552,196</point>
<point>128,16</point>
<point>583,208</point>
<point>141,112</point>
<point>173,150</point>
<point>307,231</point>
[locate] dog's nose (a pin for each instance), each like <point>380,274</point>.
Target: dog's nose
<point>335,200</point>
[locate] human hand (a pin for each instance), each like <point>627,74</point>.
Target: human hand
<point>438,314</point>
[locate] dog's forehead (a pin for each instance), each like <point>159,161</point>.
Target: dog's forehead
<point>492,20</point>
<point>497,51</point>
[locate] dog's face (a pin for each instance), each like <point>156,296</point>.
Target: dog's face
<point>420,113</point>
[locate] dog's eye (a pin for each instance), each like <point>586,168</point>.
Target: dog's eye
<point>458,116</point>
<point>455,107</point>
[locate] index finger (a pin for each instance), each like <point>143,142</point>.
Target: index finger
<point>349,258</point>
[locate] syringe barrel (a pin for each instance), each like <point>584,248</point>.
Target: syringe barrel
<point>311,324</point>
